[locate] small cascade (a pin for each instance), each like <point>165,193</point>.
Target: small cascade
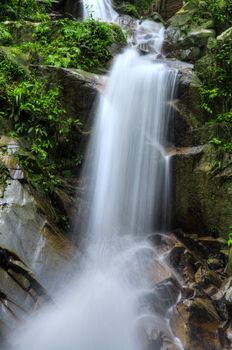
<point>149,37</point>
<point>99,9</point>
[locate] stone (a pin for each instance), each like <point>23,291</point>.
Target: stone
<point>186,106</point>
<point>163,296</point>
<point>203,200</point>
<point>225,292</point>
<point>183,263</point>
<point>27,229</point>
<point>205,278</point>
<point>191,54</point>
<point>196,323</point>
<point>78,88</point>
<point>168,8</point>
<point>69,8</point>
<point>182,17</point>
<point>197,38</point>
<point>128,23</point>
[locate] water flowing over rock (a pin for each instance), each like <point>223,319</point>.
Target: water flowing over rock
<point>127,175</point>
<point>99,9</point>
<point>127,282</point>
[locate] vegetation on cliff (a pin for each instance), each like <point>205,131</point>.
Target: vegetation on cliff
<point>73,44</point>
<point>31,107</point>
<point>24,9</point>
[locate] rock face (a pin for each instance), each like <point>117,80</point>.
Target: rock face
<point>186,40</point>
<point>70,8</point>
<point>199,326</point>
<point>201,177</point>
<point>168,8</point>
<point>33,253</point>
<point>203,197</point>
<point>201,317</point>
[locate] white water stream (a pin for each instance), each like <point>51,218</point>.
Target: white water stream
<point>99,9</point>
<point>127,174</point>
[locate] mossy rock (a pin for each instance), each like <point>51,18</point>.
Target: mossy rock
<point>203,191</point>
<point>182,17</point>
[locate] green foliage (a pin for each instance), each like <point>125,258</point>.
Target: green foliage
<point>74,44</point>
<point>144,5</point>
<point>128,9</point>
<point>30,106</point>
<point>220,11</point>
<point>32,110</point>
<point>5,35</point>
<point>134,8</point>
<point>215,71</point>
<point>229,240</point>
<point>24,9</point>
<point>215,141</point>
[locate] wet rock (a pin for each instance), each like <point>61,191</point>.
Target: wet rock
<point>8,148</point>
<point>216,262</point>
<point>163,296</point>
<point>205,278</point>
<point>186,107</point>
<point>127,22</point>
<point>68,8</point>
<point>162,242</point>
<point>26,229</point>
<point>183,263</point>
<point>34,254</point>
<point>225,292</point>
<point>196,323</point>
<point>191,54</point>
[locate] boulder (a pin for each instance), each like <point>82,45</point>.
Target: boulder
<point>26,227</point>
<point>196,38</point>
<point>168,8</point>
<point>69,8</point>
<point>196,323</point>
<point>185,38</point>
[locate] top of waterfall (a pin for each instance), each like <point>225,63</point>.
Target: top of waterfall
<point>99,9</point>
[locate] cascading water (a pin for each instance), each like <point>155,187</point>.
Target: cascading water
<point>106,307</point>
<point>99,9</point>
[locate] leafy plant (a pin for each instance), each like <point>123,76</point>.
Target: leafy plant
<point>218,10</point>
<point>73,44</point>
<point>229,240</point>
<point>31,111</point>
<point>24,9</point>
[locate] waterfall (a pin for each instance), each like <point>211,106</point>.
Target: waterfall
<point>127,163</point>
<point>127,173</point>
<point>99,9</point>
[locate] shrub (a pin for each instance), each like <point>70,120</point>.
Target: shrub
<point>73,44</point>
